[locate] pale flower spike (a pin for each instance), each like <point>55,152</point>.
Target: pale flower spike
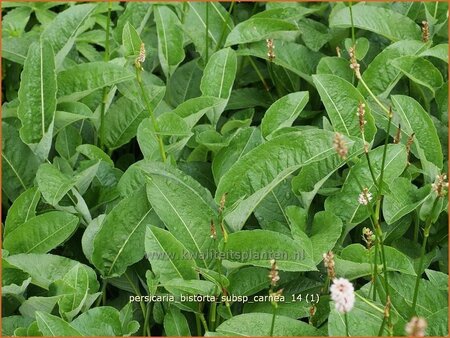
<point>416,327</point>
<point>364,197</point>
<point>343,295</point>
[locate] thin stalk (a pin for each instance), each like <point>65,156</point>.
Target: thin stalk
<point>416,226</point>
<point>353,25</point>
<point>274,315</point>
<point>152,116</point>
<point>383,324</point>
<point>103,295</point>
<point>369,303</point>
<point>198,324</point>
<point>426,234</point>
<point>255,67</point>
<point>346,324</point>
<point>203,321</point>
<point>375,271</point>
<point>104,91</point>
<point>137,292</point>
<point>224,27</point>
<point>207,33</point>
<point>374,97</point>
<point>146,330</point>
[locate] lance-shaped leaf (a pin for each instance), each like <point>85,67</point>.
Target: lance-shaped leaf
<point>185,207</point>
<point>258,247</point>
<point>414,119</point>
<point>45,269</point>
<point>439,51</point>
<point>118,243</point>
<point>131,41</point>
<point>266,166</point>
<point>81,80</point>
<point>125,115</point>
<point>41,233</point>
<point>420,71</point>
<point>290,55</point>
<point>170,39</point>
<point>218,78</point>
<point>100,321</point>
<point>257,29</point>
<point>385,22</point>
<point>283,112</point>
<point>54,326</point>
<point>219,25</point>
<point>345,203</point>
<point>23,208</point>
<point>52,183</point>
<point>63,30</point>
<point>341,101</point>
<point>175,323</point>
<point>167,255</point>
<point>37,93</point>
<point>136,14</point>
<point>380,76</point>
<point>19,164</point>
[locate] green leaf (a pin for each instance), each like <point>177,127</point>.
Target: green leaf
<point>219,23</point>
<point>23,209</point>
<point>335,66</point>
<point>218,78</point>
<point>170,39</point>
<point>420,71</point>
<point>52,183</point>
<point>283,112</point>
<point>185,207</point>
<point>193,287</point>
<point>184,84</point>
<point>345,203</point>
<point>292,56</point>
<point>402,199</point>
<point>99,321</point>
<point>440,51</point>
<point>175,323</point>
<point>136,14</point>
<point>19,164</point>
<point>54,326</point>
<point>266,166</point>
<point>361,47</point>
<point>94,153</point>
<point>83,79</point>
<point>168,257</point>
<point>37,93</point>
<point>131,41</point>
<point>66,143</point>
<point>118,244</point>
<point>11,323</point>
<point>385,22</point>
<point>258,247</point>
<point>64,29</point>
<point>325,232</point>
<point>42,233</point>
<point>44,269</point>
<point>122,121</point>
<point>414,119</point>
<point>248,281</point>
<point>242,142</point>
<point>341,101</point>
<point>380,76</point>
<point>258,324</point>
<point>361,313</point>
<point>257,29</point>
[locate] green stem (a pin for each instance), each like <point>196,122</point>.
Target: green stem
<point>224,27</point>
<point>255,67</point>
<point>137,292</point>
<point>203,321</point>
<point>383,324</point>
<point>212,314</point>
<point>375,271</point>
<point>426,234</point>
<point>346,324</point>
<point>146,330</point>
<point>274,315</point>
<point>197,322</point>
<point>152,116</point>
<point>103,295</point>
<point>353,25</point>
<point>369,303</point>
<point>416,226</point>
<point>374,97</point>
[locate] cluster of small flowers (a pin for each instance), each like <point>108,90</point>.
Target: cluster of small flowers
<point>368,237</point>
<point>398,135</point>
<point>353,63</point>
<point>440,185</point>
<point>340,146</point>
<point>416,327</point>
<point>425,31</point>
<point>343,295</point>
<point>273,274</point>
<point>361,112</point>
<point>270,49</point>
<point>141,57</point>
<point>213,230</point>
<point>364,197</point>
<point>409,143</point>
<point>328,261</point>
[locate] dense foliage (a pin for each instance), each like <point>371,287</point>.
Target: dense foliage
<point>152,152</point>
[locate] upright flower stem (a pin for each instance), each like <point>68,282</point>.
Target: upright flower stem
<point>224,27</point>
<point>274,316</point>
<point>426,234</point>
<point>150,112</point>
<point>207,33</point>
<point>353,26</point>
<point>346,324</point>
<point>104,92</point>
